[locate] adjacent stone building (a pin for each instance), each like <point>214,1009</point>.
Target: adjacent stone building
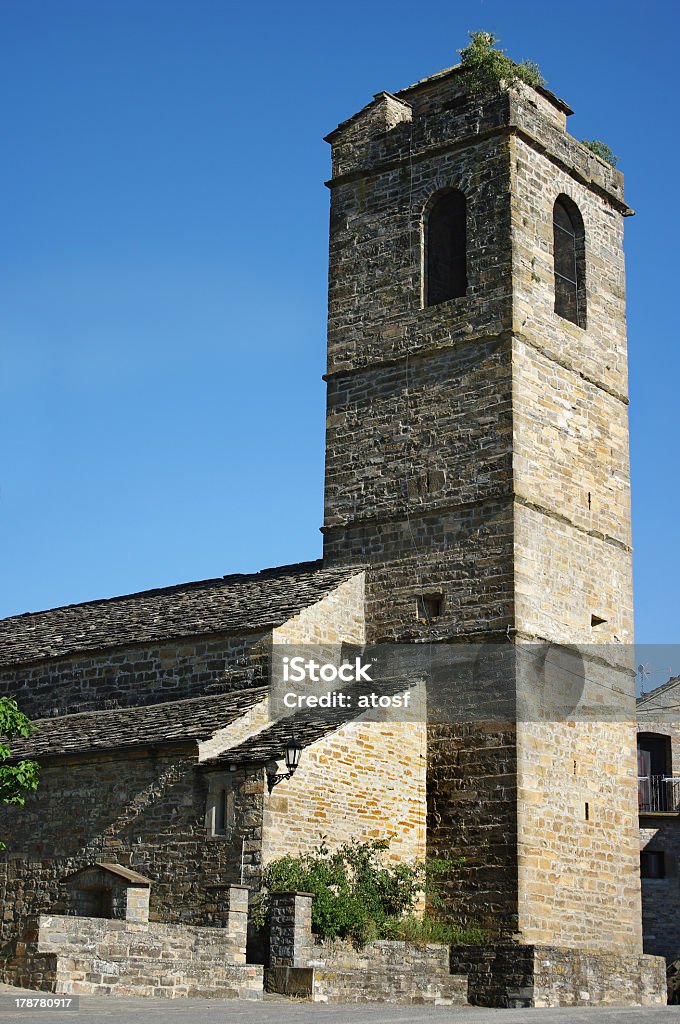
<point>659,804</point>
<point>476,497</point>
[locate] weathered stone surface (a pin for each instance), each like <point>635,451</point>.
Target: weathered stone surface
<point>90,956</point>
<point>335,971</point>
<point>478,450</point>
<point>516,976</point>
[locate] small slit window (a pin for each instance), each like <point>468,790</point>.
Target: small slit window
<point>570,261</point>
<point>220,807</point>
<point>446,249</point>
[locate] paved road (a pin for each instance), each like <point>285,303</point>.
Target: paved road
<point>112,1010</point>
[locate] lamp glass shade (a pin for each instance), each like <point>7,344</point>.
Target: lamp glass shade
<point>293,751</point>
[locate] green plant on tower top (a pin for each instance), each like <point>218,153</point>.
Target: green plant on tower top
<point>490,69</point>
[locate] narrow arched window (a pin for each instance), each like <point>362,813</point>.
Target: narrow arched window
<point>446,262</point>
<point>570,261</point>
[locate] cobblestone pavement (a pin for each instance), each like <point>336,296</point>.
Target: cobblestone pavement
<point>103,1010</point>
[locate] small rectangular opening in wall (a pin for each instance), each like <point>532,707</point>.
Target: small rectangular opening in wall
<point>220,806</point>
<point>597,620</point>
<point>587,811</point>
<point>652,864</point>
<point>429,606</point>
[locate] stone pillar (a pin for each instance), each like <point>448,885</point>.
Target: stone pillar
<point>137,905</point>
<point>290,935</point>
<point>236,919</point>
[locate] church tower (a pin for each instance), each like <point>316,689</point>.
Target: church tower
<point>477,462</point>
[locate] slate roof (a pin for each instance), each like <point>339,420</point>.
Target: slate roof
<point>235,604</point>
<point>307,726</point>
<point>664,698</point>
<point>178,721</point>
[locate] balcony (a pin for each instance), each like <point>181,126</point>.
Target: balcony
<point>658,794</point>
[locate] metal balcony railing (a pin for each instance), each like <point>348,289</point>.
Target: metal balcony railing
<point>658,794</point>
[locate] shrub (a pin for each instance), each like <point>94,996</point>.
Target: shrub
<point>355,896</point>
<point>490,69</point>
<point>602,150</point>
<point>18,779</point>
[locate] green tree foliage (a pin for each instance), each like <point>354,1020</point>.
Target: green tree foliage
<point>602,150</point>
<point>490,69</point>
<point>16,780</point>
<point>355,895</point>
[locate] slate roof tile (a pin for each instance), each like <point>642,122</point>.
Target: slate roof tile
<point>234,604</point>
<point>196,718</point>
<point>307,726</point>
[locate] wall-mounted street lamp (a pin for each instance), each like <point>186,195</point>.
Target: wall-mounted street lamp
<point>293,751</point>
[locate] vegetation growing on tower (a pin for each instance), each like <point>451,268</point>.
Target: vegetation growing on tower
<point>490,69</point>
<point>602,150</point>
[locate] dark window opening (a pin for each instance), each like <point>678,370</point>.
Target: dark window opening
<point>658,790</point>
<point>220,814</point>
<point>430,606</point>
<point>652,864</point>
<point>570,259</point>
<point>446,267</point>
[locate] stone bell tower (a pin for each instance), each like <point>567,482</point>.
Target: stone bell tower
<point>477,462</point>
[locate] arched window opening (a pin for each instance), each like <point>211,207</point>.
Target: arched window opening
<point>570,261</point>
<point>446,257</point>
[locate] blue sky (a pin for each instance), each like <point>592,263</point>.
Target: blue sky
<point>163,270</point>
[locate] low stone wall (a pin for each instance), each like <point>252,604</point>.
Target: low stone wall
<point>377,985</point>
<point>382,971</point>
<point>540,976</point>
<point>87,955</point>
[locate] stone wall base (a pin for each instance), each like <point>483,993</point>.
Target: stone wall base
<point>352,985</point>
<point>95,956</point>
<point>540,976</point>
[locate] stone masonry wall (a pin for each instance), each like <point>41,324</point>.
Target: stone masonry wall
<point>144,811</point>
<point>125,677</point>
<point>661,896</point>
<point>335,971</point>
<point>364,781</point>
<point>661,833</point>
<point>337,619</point>
<point>92,956</point>
<point>540,976</point>
<point>478,450</point>
<point>578,858</point>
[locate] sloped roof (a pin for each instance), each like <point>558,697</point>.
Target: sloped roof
<point>238,603</point>
<point>307,726</point>
<point>663,698</point>
<point>118,870</point>
<point>179,721</point>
